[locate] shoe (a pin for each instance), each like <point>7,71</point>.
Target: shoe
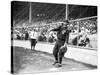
<point>59,65</point>
<point>55,63</point>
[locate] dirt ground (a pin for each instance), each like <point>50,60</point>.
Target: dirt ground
<point>34,61</point>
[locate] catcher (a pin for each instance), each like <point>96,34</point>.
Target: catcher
<point>60,47</point>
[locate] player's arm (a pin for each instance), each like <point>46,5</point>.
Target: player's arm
<point>55,29</point>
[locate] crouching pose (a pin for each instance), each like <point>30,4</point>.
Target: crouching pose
<point>60,47</point>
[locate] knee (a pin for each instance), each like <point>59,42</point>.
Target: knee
<point>61,54</point>
<point>54,52</point>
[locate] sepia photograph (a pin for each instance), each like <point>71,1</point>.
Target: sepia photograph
<point>53,37</point>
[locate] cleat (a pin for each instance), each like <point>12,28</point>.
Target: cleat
<point>59,65</point>
<point>54,63</point>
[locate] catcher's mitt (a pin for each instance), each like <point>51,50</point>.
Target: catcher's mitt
<point>63,49</point>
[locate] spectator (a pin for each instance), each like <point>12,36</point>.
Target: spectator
<point>33,39</point>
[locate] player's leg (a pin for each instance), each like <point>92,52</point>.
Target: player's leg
<point>55,53</point>
<point>35,42</point>
<point>61,55</point>
<point>31,44</point>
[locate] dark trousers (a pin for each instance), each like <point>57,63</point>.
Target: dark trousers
<point>33,43</point>
<point>57,53</point>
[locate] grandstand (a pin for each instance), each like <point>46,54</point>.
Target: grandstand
<point>40,13</point>
<point>48,13</point>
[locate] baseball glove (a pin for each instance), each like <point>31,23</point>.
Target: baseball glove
<point>63,49</point>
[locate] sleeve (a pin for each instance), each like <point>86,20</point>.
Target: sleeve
<point>56,29</point>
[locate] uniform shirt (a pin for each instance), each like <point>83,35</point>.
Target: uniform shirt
<point>62,32</point>
<point>33,35</point>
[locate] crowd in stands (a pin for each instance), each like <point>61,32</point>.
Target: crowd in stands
<point>78,35</point>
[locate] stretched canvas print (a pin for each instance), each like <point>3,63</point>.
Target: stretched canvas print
<point>52,37</point>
